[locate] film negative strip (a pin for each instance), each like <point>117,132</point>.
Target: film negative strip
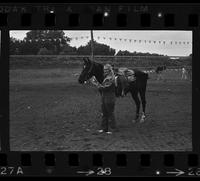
<point>100,90</point>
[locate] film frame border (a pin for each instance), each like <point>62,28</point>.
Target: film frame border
<point>121,17</point>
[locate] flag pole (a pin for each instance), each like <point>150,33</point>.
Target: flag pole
<point>92,46</point>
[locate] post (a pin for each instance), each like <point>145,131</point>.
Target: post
<point>92,46</point>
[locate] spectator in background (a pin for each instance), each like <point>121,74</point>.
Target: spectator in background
<point>184,73</point>
<point>189,73</point>
<point>159,71</point>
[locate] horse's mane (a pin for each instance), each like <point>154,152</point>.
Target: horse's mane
<point>96,63</point>
<point>98,69</point>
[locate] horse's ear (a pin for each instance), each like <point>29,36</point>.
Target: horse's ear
<point>88,60</point>
<point>85,60</point>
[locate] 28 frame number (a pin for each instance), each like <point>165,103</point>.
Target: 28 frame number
<point>104,171</point>
<point>194,172</point>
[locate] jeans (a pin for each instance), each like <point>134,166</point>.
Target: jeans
<point>108,106</point>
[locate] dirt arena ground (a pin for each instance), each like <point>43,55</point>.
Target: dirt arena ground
<point>49,110</point>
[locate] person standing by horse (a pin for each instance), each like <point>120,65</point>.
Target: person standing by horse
<point>107,89</point>
<point>110,87</point>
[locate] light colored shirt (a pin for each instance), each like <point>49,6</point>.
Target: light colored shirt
<point>108,80</point>
<point>183,70</point>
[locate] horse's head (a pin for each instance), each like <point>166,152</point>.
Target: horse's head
<point>87,71</point>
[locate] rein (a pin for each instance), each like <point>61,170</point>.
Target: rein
<point>91,67</point>
<point>94,81</point>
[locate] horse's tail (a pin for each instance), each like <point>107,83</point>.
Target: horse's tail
<point>143,75</point>
<point>147,75</point>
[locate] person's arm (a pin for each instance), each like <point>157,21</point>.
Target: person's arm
<point>94,81</point>
<point>104,86</point>
<point>106,83</point>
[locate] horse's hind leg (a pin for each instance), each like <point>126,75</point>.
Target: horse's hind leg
<point>137,102</point>
<point>143,100</point>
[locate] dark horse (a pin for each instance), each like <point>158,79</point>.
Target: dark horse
<point>91,68</point>
<point>159,71</point>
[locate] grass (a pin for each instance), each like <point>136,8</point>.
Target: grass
<point>49,110</point>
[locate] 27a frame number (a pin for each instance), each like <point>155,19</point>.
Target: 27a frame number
<point>11,171</point>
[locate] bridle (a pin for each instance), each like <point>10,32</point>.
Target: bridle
<point>90,70</point>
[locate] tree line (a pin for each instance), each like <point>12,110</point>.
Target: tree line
<point>55,42</point>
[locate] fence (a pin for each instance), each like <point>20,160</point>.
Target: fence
<point>97,56</point>
<point>76,60</point>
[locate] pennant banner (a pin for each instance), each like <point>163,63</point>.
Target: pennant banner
<point>164,42</point>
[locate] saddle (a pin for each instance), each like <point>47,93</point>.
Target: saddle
<point>123,76</point>
<point>128,74</point>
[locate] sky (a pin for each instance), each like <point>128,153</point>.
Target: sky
<point>165,49</point>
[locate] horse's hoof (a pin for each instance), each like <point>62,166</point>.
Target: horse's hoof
<point>133,121</point>
<point>100,131</point>
<point>142,119</point>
